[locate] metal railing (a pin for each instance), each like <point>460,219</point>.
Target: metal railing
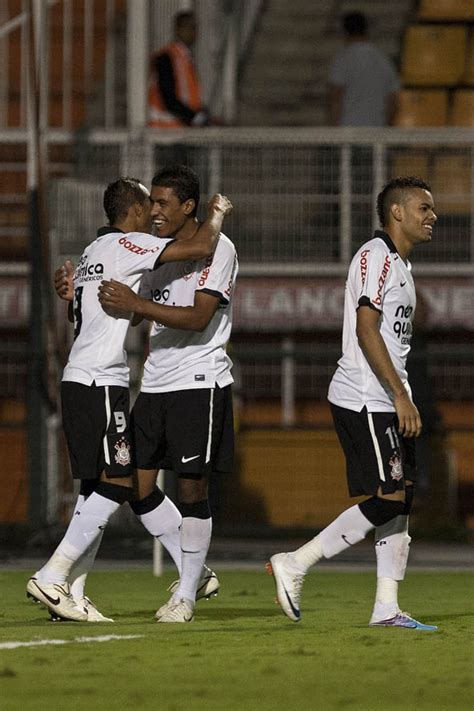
<point>304,198</point>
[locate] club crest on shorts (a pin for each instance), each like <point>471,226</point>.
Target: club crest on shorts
<point>123,453</point>
<point>396,471</point>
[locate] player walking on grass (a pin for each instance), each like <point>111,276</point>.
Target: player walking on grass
<point>183,419</point>
<point>372,409</point>
<point>94,391</point>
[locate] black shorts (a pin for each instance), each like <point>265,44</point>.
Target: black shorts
<point>376,455</point>
<point>188,431</point>
<point>96,422</point>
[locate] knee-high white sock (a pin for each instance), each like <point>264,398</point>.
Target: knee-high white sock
<point>78,575</point>
<point>345,531</point>
<point>392,544</point>
<point>164,522</point>
<point>195,541</point>
<point>85,528</point>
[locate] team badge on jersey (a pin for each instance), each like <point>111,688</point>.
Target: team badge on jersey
<point>396,471</point>
<point>123,453</point>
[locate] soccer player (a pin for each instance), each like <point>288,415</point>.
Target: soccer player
<point>94,391</point>
<point>182,419</point>
<point>373,412</point>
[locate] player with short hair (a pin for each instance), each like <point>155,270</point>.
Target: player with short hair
<point>373,413</point>
<point>94,391</point>
<point>182,419</point>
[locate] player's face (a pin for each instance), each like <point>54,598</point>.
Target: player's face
<point>168,214</point>
<point>418,216</point>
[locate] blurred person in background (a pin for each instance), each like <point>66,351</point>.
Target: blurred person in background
<point>174,96</point>
<point>363,83</point>
<point>371,403</point>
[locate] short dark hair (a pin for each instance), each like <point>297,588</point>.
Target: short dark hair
<point>183,180</point>
<point>392,192</point>
<point>120,195</point>
<point>354,23</point>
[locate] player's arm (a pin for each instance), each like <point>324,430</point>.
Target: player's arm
<point>377,355</point>
<point>63,285</point>
<point>204,242</point>
<point>117,296</point>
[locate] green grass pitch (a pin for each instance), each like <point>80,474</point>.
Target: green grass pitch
<point>241,652</point>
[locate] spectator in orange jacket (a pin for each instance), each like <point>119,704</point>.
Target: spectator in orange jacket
<point>174,97</point>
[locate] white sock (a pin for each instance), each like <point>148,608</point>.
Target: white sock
<point>78,575</point>
<point>346,530</point>
<point>303,558</point>
<point>85,527</point>
<point>195,541</point>
<point>80,570</point>
<point>164,523</point>
<point>391,547</point>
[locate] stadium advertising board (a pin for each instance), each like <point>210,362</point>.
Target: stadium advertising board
<point>289,304</point>
<point>283,304</point>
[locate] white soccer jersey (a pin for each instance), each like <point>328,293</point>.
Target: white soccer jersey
<point>98,353</point>
<point>185,360</point>
<point>379,278</point>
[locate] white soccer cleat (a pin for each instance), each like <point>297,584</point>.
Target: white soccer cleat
<point>57,599</point>
<point>175,611</point>
<point>288,585</point>
<point>208,585</point>
<point>93,614</point>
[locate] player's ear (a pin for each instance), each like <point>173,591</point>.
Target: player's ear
<point>189,206</point>
<point>138,208</point>
<point>396,211</point>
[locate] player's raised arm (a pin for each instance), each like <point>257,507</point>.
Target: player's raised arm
<point>203,243</point>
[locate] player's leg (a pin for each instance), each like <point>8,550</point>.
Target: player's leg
<point>200,437</point>
<point>392,542</point>
<point>157,513</point>
<point>364,474</point>
<point>155,510</point>
<point>80,570</point>
<point>95,421</point>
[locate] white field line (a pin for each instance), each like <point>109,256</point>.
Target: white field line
<point>44,642</point>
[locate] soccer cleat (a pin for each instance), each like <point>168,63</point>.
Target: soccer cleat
<point>175,611</point>
<point>93,614</point>
<point>403,619</point>
<point>57,599</point>
<point>208,585</point>
<point>288,585</point>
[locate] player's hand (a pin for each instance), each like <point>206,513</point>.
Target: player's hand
<point>118,298</point>
<point>220,203</point>
<point>409,420</point>
<point>63,283</point>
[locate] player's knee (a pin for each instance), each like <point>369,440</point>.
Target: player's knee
<point>147,503</point>
<point>379,511</point>
<point>192,490</point>
<point>115,492</point>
